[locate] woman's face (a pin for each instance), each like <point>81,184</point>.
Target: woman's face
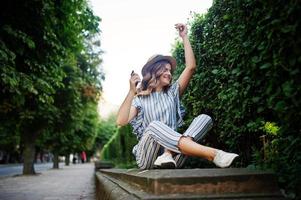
<point>165,78</point>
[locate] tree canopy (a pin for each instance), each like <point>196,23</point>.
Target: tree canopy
<point>50,75</point>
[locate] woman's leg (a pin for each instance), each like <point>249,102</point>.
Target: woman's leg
<point>155,136</point>
<point>158,133</point>
<point>191,148</point>
<point>218,157</point>
<point>197,130</point>
<point>147,152</point>
<point>199,127</point>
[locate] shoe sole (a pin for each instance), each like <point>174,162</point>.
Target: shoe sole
<point>232,161</point>
<point>168,165</point>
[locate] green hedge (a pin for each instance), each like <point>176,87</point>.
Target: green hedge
<point>119,148</point>
<point>248,78</point>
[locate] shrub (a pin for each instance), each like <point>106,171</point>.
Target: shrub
<point>119,148</point>
<point>248,57</point>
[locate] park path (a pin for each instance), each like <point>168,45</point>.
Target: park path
<point>74,182</point>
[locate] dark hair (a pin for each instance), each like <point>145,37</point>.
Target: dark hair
<point>151,77</point>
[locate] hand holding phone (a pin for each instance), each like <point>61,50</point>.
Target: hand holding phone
<point>137,80</point>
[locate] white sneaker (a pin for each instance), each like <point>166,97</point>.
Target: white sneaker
<point>165,161</point>
<point>223,159</point>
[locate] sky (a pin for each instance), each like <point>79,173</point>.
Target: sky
<point>131,32</point>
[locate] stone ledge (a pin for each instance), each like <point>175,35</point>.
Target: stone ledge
<point>103,165</point>
<point>108,189</point>
<point>231,183</point>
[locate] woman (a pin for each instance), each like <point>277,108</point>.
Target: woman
<point>155,113</point>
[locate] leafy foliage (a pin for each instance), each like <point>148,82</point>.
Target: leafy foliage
<point>106,129</point>
<point>119,148</point>
<point>248,57</point>
<point>50,75</point>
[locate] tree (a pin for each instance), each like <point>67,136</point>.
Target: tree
<point>46,35</point>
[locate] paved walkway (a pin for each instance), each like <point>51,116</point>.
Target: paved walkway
<point>74,182</point>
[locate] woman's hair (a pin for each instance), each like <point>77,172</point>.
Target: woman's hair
<point>150,80</point>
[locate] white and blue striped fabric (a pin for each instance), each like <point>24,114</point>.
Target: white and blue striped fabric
<point>159,116</point>
<point>159,106</point>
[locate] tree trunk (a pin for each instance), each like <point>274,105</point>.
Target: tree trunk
<point>55,160</point>
<point>28,154</point>
<point>7,158</point>
<point>42,156</point>
<point>67,159</point>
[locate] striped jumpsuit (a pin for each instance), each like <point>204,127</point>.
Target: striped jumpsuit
<point>159,116</point>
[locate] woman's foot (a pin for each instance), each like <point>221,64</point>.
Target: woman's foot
<point>165,161</point>
<point>224,159</point>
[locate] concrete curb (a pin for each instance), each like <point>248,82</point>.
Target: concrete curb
<point>231,183</point>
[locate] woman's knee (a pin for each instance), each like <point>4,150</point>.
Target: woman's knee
<point>206,118</point>
<point>153,128</point>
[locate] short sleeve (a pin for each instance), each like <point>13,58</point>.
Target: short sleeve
<point>174,88</point>
<point>137,121</point>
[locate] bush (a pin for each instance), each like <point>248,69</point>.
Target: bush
<point>119,148</point>
<point>248,74</point>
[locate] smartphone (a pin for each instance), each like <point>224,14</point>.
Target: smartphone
<point>132,73</point>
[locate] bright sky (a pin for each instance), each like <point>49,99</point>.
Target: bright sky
<point>133,31</point>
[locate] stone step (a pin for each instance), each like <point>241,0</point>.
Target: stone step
<point>103,165</point>
<point>230,183</point>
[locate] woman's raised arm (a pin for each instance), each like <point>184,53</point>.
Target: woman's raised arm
<point>189,58</point>
<point>126,111</point>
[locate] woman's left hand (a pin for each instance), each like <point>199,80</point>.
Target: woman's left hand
<point>182,28</point>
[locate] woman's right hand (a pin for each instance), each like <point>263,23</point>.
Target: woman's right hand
<point>126,111</point>
<point>182,28</point>
<point>134,80</point>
